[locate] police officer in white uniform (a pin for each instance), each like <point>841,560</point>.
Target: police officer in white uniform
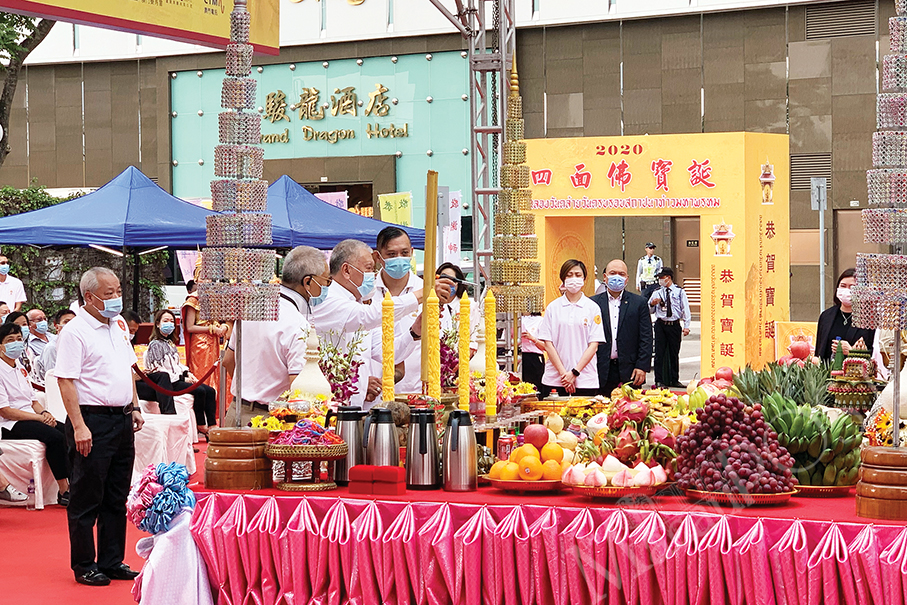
<point>646,270</point>
<point>94,361</point>
<point>672,307</point>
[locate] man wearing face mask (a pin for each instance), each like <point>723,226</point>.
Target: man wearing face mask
<point>94,371</point>
<point>343,314</point>
<point>626,356</point>
<point>37,327</point>
<point>273,352</point>
<point>11,288</point>
<point>671,307</point>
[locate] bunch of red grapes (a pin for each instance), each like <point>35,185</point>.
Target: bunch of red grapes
<point>732,449</point>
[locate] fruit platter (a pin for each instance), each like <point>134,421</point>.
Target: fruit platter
<point>519,486</point>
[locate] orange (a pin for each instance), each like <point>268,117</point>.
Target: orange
<point>525,450</point>
<point>552,451</point>
<point>497,468</point>
<point>530,469</point>
<point>511,472</point>
<point>551,470</point>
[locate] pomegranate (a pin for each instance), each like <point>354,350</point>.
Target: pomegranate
<point>799,349</point>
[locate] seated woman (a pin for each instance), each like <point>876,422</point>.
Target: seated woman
<point>21,417</point>
<point>162,356</point>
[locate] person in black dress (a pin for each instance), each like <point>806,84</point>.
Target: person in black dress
<point>836,321</point>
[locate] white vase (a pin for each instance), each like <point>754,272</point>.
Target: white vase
<point>311,380</point>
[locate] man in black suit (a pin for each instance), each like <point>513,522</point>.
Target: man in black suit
<point>626,354</point>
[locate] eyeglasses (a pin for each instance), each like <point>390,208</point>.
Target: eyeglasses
<point>315,278</point>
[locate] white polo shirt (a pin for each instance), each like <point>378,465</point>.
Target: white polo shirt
<point>15,391</point>
<point>339,318</point>
<point>572,327</point>
<point>12,291</point>
<point>272,351</point>
<point>98,357</point>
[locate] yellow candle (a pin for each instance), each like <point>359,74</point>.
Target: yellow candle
<point>463,364</point>
<point>387,348</point>
<point>491,356</point>
<point>431,309</point>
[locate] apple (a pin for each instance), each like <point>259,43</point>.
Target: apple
<point>537,435</point>
<point>799,349</point>
<point>722,384</point>
<point>706,380</point>
<point>724,373</point>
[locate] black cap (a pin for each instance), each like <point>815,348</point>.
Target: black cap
<point>650,245</point>
<point>665,272</point>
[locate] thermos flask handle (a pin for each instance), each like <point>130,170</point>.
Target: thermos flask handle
<point>423,434</point>
<point>368,422</point>
<point>328,416</point>
<point>454,433</point>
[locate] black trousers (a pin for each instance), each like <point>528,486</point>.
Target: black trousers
<point>98,490</point>
<point>53,438</point>
<point>204,403</point>
<point>534,369</point>
<point>609,381</point>
<point>667,352</point>
<point>647,291</point>
<point>146,393</point>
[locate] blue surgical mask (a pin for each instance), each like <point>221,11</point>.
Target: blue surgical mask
<point>25,333</point>
<point>314,301</point>
<point>397,268</point>
<point>368,283</point>
<point>112,307</point>
<point>41,326</point>
<point>616,283</point>
<point>4,269</point>
<point>167,328</point>
<point>14,349</point>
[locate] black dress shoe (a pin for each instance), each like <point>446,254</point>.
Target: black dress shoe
<point>93,578</point>
<point>120,572</point>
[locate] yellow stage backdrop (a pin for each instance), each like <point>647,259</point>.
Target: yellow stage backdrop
<point>196,21</point>
<point>738,183</point>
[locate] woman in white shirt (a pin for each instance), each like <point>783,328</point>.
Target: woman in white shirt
<point>163,356</point>
<point>21,416</point>
<point>571,331</point>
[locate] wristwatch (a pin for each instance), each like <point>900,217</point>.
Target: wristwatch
<point>414,335</point>
<point>575,372</point>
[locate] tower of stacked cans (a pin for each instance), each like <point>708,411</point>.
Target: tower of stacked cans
<point>880,296</point>
<point>234,276</point>
<point>515,272</point>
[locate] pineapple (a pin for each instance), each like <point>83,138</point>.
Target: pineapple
<point>748,383</point>
<point>815,384</point>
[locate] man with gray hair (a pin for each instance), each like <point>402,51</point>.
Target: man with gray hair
<point>94,371</point>
<point>349,309</point>
<point>273,352</point>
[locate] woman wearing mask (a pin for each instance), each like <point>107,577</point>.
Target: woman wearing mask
<point>571,331</point>
<point>837,321</point>
<point>450,311</point>
<point>163,356</point>
<point>21,417</point>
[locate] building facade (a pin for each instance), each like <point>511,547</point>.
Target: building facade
<point>90,102</point>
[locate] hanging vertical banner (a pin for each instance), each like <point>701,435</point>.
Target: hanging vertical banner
<point>451,232</point>
<point>335,198</point>
<point>397,208</point>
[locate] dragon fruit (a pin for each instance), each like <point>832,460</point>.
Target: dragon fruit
<point>627,444</point>
<point>660,435</point>
<point>627,411</point>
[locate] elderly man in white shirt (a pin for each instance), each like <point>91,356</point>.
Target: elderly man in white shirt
<point>273,352</point>
<point>37,329</point>
<point>94,370</point>
<point>344,313</point>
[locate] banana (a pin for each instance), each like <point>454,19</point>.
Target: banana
<point>802,476</point>
<point>829,476</point>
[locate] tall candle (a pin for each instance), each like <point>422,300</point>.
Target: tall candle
<point>387,348</point>
<point>463,363</point>
<point>491,356</point>
<point>433,341</point>
<point>430,257</point>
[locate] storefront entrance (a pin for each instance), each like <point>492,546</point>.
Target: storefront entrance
<point>686,255</point>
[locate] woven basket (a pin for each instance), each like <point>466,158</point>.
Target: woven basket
<point>307,452</point>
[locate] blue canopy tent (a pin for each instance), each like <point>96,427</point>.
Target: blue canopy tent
<point>316,223</point>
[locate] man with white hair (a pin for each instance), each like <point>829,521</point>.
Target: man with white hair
<point>273,352</point>
<point>94,371</point>
<point>344,313</point>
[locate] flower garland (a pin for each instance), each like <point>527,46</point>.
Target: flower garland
<point>158,496</point>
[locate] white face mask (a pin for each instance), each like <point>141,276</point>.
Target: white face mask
<point>663,283</point>
<point>844,295</point>
<point>573,284</point>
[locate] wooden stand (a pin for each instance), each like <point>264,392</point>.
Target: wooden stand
<point>882,490</point>
<point>236,459</point>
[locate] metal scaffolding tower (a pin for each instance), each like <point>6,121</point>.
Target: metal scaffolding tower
<point>492,43</point>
